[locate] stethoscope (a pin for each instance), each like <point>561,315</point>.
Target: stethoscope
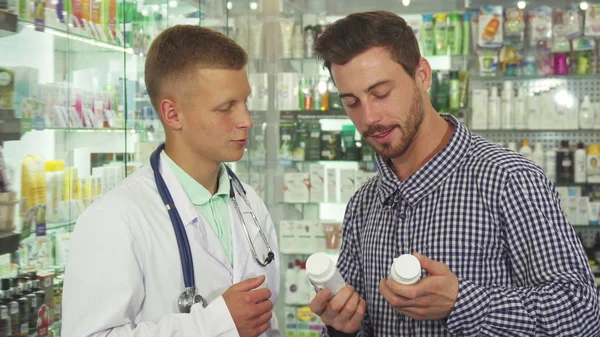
<point>189,296</point>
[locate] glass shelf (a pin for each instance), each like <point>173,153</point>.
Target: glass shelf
<point>60,225</point>
<point>534,130</point>
<point>74,36</point>
<point>532,78</point>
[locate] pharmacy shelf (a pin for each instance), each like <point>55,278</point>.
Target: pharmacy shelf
<point>292,115</point>
<point>9,242</point>
<point>67,129</point>
<point>501,78</point>
<point>525,131</point>
<point>75,36</point>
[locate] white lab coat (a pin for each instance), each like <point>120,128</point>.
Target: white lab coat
<point>124,274</point>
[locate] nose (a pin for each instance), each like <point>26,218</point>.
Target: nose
<point>244,119</point>
<point>371,114</point>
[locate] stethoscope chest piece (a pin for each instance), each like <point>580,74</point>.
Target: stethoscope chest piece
<point>189,298</point>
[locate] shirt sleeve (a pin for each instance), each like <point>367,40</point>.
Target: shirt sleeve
<point>349,263</point>
<point>553,293</point>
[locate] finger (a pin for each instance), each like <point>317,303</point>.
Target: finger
<point>259,295</point>
<point>262,319</point>
<point>349,309</point>
<point>393,299</point>
<point>359,314</point>
<point>408,292</point>
<point>337,302</point>
<point>248,284</point>
<point>431,266</point>
<point>261,308</point>
<point>320,302</point>
<point>262,329</point>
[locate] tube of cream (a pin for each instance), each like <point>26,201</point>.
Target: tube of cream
<point>256,40</point>
<point>287,36</point>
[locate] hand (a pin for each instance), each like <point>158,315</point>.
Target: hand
<point>343,312</point>
<point>432,298</point>
<point>249,307</point>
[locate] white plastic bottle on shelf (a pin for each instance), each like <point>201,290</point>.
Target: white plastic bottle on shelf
<point>538,156</point>
<point>323,273</point>
<point>507,115</point>
<point>551,165</point>
<point>513,146</point>
<point>494,109</point>
<point>406,269</point>
<point>587,115</point>
<point>526,149</point>
<point>533,110</point>
<point>580,158</point>
<point>520,113</point>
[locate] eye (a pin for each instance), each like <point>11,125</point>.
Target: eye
<point>225,108</point>
<point>351,103</point>
<point>382,96</point>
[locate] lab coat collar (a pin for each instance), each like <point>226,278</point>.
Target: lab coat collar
<point>185,207</point>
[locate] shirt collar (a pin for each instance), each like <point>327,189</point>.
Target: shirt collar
<point>197,193</point>
<point>391,189</point>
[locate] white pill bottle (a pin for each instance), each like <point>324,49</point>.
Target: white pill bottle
<point>406,269</point>
<point>323,274</point>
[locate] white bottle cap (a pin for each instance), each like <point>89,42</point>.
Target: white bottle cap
<point>406,269</point>
<point>320,267</point>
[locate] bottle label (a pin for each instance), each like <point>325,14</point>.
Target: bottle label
<point>24,329</point>
<point>14,309</point>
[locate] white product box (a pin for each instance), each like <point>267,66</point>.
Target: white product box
<point>287,237</point>
<point>295,187</point>
<point>583,211</point>
<point>479,112</point>
<point>332,185</point>
<point>317,183</point>
<point>259,99</point>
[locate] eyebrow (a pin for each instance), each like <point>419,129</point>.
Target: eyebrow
<point>342,95</point>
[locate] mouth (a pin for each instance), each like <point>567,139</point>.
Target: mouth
<point>383,136</point>
<point>240,142</point>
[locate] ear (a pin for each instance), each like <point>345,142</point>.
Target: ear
<point>169,114</point>
<point>423,74</point>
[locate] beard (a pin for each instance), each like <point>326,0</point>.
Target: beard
<point>407,130</point>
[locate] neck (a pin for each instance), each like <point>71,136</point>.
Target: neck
<point>429,140</point>
<point>204,171</point>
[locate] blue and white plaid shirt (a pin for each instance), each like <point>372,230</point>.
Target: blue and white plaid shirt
<point>495,220</point>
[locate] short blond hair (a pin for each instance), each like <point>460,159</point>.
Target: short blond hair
<point>180,49</point>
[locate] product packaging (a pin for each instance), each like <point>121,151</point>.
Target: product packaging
<point>455,34</point>
<point>491,26</point>
<point>441,34</point>
<point>592,20</point>
<point>514,27</point>
<point>540,24</point>
<point>488,62</point>
<point>428,35</point>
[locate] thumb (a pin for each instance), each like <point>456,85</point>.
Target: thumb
<point>431,266</point>
<point>249,284</point>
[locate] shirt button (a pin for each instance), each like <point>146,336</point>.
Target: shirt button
<point>403,216</point>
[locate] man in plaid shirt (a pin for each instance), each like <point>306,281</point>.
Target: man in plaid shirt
<point>499,256</point>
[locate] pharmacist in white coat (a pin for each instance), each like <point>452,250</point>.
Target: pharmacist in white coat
<point>181,247</point>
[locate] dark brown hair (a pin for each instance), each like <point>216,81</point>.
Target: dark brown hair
<point>358,32</point>
<point>180,49</point>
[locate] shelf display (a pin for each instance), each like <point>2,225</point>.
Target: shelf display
<point>75,117</point>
